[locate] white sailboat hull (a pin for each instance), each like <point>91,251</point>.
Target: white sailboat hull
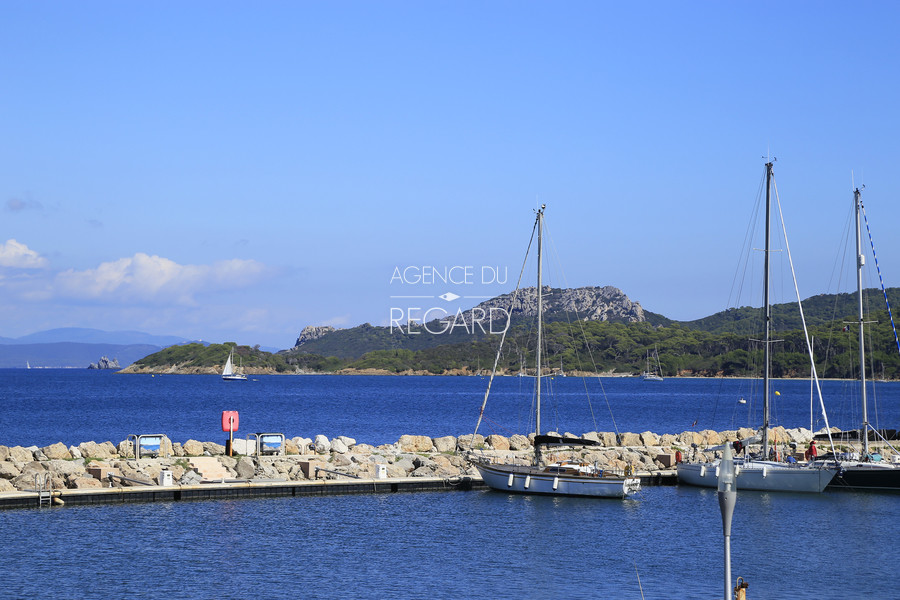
<point>762,476</point>
<point>529,480</point>
<point>229,374</point>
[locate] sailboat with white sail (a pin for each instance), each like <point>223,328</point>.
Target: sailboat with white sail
<point>653,373</point>
<point>558,478</point>
<point>871,472</point>
<point>230,372</point>
<point>758,473</point>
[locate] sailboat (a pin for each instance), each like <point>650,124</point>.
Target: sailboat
<point>652,373</point>
<point>559,478</point>
<point>870,473</point>
<point>752,473</point>
<point>229,373</point>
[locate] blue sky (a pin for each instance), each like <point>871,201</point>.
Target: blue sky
<point>235,172</point>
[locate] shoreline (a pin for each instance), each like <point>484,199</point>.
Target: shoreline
<point>174,370</point>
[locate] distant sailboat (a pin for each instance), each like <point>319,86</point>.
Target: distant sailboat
<point>653,373</point>
<point>229,373</point>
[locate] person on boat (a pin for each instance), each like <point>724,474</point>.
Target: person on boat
<point>811,452</point>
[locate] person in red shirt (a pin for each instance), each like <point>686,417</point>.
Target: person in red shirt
<point>811,452</point>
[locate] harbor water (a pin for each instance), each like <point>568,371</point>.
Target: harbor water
<point>665,542</point>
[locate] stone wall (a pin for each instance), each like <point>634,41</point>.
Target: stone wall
<point>90,464</point>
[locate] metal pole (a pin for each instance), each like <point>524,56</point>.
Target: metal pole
<point>540,220</point>
<point>860,262</point>
<point>727,499</point>
<point>768,316</point>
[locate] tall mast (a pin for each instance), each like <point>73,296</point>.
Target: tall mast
<point>860,262</point>
<point>768,315</point>
<point>540,307</point>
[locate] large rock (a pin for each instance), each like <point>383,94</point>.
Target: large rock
<point>446,443</point>
<point>363,449</point>
<point>686,438</point>
<point>711,438</point>
<point>80,483</point>
<point>20,455</point>
<point>337,445</point>
<point>213,449</point>
<point>668,439</point>
<point>291,448</point>
<point>470,442</point>
<point>245,468</point>
<point>648,438</point>
<point>94,450</point>
<point>497,442</point>
<point>67,467</point>
<point>303,444</point>
<point>4,453</point>
<point>192,448</point>
<point>8,470</point>
<point>629,439</point>
<point>321,445</point>
<point>6,486</point>
<point>519,442</point>
<point>347,441</point>
<point>125,448</point>
<point>56,451</point>
<point>405,464</point>
<point>415,443</point>
<point>608,438</point>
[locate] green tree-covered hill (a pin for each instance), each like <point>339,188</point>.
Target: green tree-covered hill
<point>722,344</point>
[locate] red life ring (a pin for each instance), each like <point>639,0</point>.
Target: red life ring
<point>678,456</point>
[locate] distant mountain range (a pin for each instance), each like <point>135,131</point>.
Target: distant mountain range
<point>82,335</point>
<point>74,347</point>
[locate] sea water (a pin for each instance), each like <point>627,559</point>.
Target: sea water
<point>44,406</point>
<point>666,542</point>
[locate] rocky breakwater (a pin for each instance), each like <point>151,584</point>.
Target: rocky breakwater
<point>90,464</point>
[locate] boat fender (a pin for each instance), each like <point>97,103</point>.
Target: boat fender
<point>678,457</point>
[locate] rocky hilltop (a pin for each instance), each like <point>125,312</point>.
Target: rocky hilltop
<point>605,303</point>
<point>313,332</point>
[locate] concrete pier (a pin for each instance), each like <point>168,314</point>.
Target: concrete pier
<point>266,489</point>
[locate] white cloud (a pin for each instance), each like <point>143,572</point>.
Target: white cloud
<point>17,255</point>
<point>153,279</point>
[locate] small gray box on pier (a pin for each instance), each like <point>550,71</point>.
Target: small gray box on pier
<point>165,477</point>
<point>380,471</point>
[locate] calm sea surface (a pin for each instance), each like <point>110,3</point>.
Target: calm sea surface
<point>664,543</point>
